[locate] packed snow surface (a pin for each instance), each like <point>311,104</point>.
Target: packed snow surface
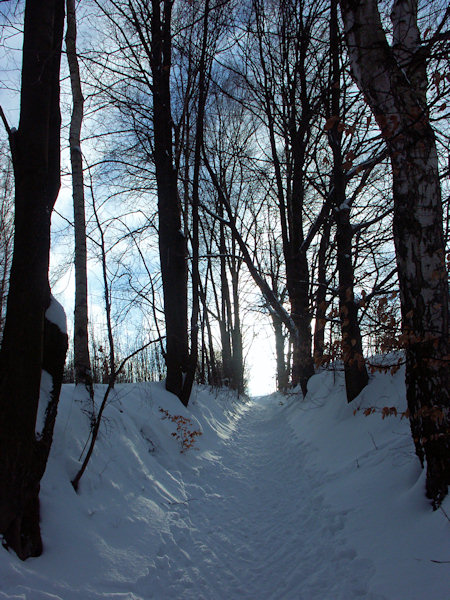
<point>280,497</point>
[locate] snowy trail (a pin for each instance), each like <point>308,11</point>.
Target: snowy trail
<point>280,499</point>
<point>256,529</point>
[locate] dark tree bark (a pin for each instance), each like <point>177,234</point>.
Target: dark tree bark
<point>172,243</point>
<point>210,355</point>
<point>237,381</point>
<point>294,38</point>
<point>321,295</point>
<point>393,80</point>
<point>202,94</point>
<point>82,363</point>
<point>30,342</point>
<point>356,376</point>
<point>225,304</point>
<point>282,369</point>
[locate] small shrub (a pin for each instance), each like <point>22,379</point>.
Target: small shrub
<point>185,433</point>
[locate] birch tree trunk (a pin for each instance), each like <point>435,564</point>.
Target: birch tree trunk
<point>393,80</point>
<point>82,363</point>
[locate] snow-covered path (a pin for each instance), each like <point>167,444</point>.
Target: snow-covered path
<point>280,499</point>
<point>256,529</point>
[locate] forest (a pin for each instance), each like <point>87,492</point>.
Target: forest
<point>194,170</point>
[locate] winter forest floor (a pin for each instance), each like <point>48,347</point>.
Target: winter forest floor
<point>280,498</point>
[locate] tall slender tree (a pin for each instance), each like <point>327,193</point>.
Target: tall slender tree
<point>172,243</point>
<point>356,376</point>
<point>6,228</point>
<point>82,364</point>
<point>202,96</point>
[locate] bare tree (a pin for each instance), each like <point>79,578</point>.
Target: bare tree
<point>284,37</point>
<point>394,82</point>
<point>6,230</point>
<point>82,364</point>
<point>30,341</point>
<point>168,127</point>
<point>356,376</point>
<point>202,97</point>
<point>172,243</point>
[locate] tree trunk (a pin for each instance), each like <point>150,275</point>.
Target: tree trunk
<point>236,333</point>
<point>394,82</point>
<point>27,341</point>
<point>202,93</point>
<point>298,287</point>
<point>356,376</point>
<point>82,363</point>
<point>213,376</point>
<point>225,313</point>
<point>172,243</point>
<point>282,370</point>
<point>321,295</point>
<point>422,275</point>
<point>297,123</point>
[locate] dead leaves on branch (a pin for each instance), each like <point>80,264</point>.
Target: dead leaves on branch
<point>185,433</point>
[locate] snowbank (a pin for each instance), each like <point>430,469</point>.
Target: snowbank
<point>368,470</point>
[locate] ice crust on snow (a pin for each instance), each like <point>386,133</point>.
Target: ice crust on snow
<point>281,498</point>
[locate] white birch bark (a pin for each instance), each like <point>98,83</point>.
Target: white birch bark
<point>82,365</point>
<point>393,80</point>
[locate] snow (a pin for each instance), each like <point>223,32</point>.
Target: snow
<point>345,205</point>
<point>278,498</point>
<point>55,314</point>
<point>44,399</point>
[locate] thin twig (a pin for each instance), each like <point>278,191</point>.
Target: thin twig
<point>5,122</point>
<point>76,480</point>
<point>445,514</point>
<point>440,562</point>
<point>373,440</point>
